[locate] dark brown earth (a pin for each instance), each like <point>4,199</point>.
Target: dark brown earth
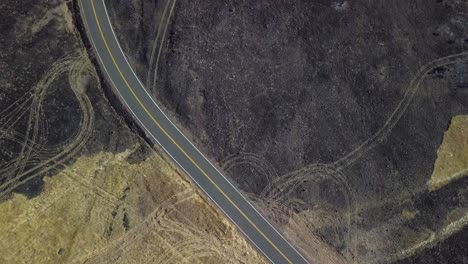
<point>333,110</point>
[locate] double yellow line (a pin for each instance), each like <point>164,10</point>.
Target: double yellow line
<point>175,143</point>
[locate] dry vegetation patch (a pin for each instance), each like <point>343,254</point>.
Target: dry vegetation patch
<point>102,209</point>
<point>452,156</point>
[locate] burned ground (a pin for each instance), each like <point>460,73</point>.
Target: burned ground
<point>52,101</point>
<point>318,109</point>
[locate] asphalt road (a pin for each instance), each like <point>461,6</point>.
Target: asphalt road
<point>158,126</point>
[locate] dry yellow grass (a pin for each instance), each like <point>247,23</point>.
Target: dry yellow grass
<point>102,209</point>
<point>61,14</point>
<point>452,156</point>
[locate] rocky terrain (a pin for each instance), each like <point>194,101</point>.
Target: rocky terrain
<point>79,182</point>
<point>344,120</point>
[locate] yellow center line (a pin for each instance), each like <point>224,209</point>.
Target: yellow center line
<point>175,143</point>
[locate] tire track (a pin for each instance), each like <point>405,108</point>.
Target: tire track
<point>76,66</point>
<point>285,185</point>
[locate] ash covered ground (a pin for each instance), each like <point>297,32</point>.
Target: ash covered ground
<point>344,120</point>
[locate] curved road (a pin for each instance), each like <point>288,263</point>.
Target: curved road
<point>158,126</point>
